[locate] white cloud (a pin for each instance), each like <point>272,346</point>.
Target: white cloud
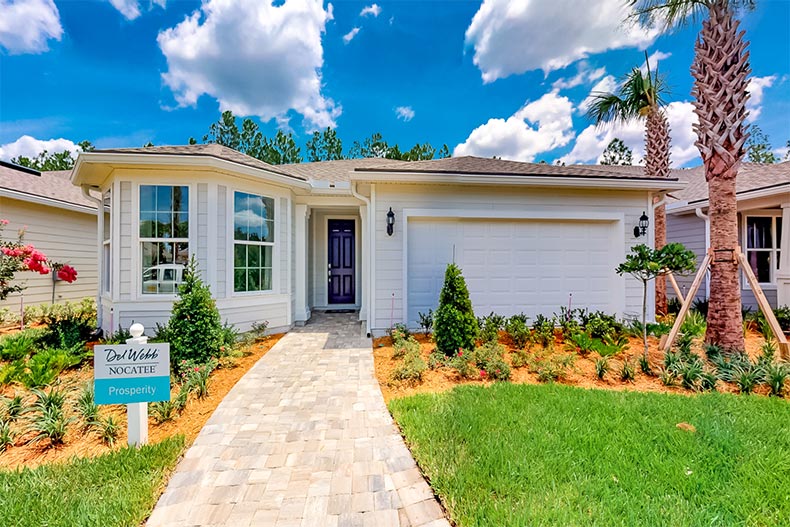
<point>755,89</point>
<point>514,37</point>
<point>130,9</point>
<point>348,37</point>
<point>606,85</point>
<point>374,10</point>
<point>405,112</point>
<point>254,57</point>
<point>30,147</point>
<point>584,75</point>
<point>27,25</point>
<point>539,126</point>
<point>654,59</point>
<point>592,141</point>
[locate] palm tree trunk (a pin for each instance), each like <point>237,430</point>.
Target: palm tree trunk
<point>657,145</point>
<point>720,71</point>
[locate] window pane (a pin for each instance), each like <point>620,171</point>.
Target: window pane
<point>181,253</point>
<point>181,225</point>
<point>239,280</point>
<point>268,208</point>
<point>266,279</point>
<point>253,217</point>
<point>163,223</point>
<point>147,198</point>
<point>164,198</point>
<point>180,201</point>
<point>267,256</point>
<point>253,279</point>
<point>253,256</point>
<point>758,233</point>
<point>147,225</point>
<point>267,232</point>
<point>761,265</point>
<point>239,255</point>
<point>778,233</point>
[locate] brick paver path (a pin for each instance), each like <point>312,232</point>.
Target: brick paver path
<point>303,439</point>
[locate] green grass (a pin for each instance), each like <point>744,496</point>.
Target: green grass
<point>516,455</point>
<point>116,489</point>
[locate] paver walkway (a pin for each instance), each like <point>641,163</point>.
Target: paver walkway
<point>303,439</point>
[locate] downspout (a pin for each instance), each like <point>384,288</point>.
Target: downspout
<point>100,248</point>
<point>369,288</point>
<point>698,212</point>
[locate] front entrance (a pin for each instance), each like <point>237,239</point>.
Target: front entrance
<point>341,262</point>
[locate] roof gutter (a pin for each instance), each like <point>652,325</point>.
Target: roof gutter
<point>516,180</point>
<point>99,245</point>
<point>763,192</point>
<point>43,200</point>
<point>370,252</point>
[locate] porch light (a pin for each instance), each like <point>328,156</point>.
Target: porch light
<point>390,222</point>
<point>644,223</point>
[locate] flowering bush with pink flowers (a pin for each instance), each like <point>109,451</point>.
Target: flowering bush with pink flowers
<point>16,256</point>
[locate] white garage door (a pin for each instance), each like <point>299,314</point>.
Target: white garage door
<point>514,266</point>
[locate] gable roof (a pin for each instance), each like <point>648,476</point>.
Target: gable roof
<point>54,188</point>
<point>339,170</point>
<point>502,167</point>
<point>751,177</point>
<point>210,150</point>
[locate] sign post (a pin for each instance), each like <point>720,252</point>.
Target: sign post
<point>133,374</point>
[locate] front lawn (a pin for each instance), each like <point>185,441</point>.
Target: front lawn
<point>514,455</point>
<point>116,489</point>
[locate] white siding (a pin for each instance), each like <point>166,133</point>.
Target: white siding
<point>389,287</point>
<point>202,249</point>
<point>222,240</point>
<point>64,236</point>
<point>125,246</point>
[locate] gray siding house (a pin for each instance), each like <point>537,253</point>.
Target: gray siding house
<point>763,193</point>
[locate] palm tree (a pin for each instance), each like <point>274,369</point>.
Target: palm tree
<point>641,97</point>
<point>720,70</point>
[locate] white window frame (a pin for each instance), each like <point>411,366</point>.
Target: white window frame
<point>775,241</point>
<point>137,240</point>
<point>107,265</point>
<point>231,281</point>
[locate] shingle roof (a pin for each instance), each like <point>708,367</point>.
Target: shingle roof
<point>487,166</point>
<point>52,185</point>
<point>751,176</point>
<point>339,170</point>
<point>210,150</point>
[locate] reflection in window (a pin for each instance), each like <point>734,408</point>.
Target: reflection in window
<point>253,232</point>
<point>164,237</point>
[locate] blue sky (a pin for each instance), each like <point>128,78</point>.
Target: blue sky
<point>486,78</point>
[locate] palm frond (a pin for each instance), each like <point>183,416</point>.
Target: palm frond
<point>678,13</point>
<point>637,93</point>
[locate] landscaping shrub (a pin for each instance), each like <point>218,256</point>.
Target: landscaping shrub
<point>598,324</point>
<point>543,329</point>
<point>518,331</point>
<point>12,372</point>
<point>454,323</point>
<point>490,327</point>
<point>50,423</point>
<point>519,358</point>
<point>667,377</point>
<point>119,337</point>
<point>644,365</point>
<point>109,429</point>
<point>673,306</point>
<point>402,346</point>
<point>399,332</point>
<point>411,369</point>
<point>258,330</point>
<point>694,324</point>
<point>426,320</point>
<point>690,373</point>
<point>707,381</point>
<point>6,436</point>
<point>87,407</point>
<point>700,305</point>
<point>13,408</point>
<point>45,366</point>
<point>163,411</point>
<point>568,321</point>
<point>553,368</point>
<point>601,367</point>
<point>194,331</point>
<point>19,345</point>
<point>437,359</point>
<point>488,358</point>
<point>197,376</point>
<point>776,376</point>
<point>460,363</point>
<point>581,342</point>
<point>746,378</point>
<point>627,371</point>
<point>68,324</point>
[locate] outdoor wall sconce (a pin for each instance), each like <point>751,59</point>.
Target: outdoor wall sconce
<point>641,229</point>
<point>390,222</point>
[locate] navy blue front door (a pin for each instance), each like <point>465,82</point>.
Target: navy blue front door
<point>341,262</point>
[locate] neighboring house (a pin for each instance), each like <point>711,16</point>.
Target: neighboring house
<point>763,193</point>
<point>60,222</point>
<point>277,242</point>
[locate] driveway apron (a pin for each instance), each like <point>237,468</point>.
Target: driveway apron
<point>303,439</point>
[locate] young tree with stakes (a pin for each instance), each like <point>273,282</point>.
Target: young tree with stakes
<point>645,264</point>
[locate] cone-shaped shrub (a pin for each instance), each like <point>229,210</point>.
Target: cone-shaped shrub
<point>195,329</point>
<point>454,323</point>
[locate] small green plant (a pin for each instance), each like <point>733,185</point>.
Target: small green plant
<point>119,337</point>
<point>68,324</point>
<point>776,376</point>
<point>399,332</point>
<point>6,436</point>
<point>258,330</point>
<point>54,400</point>
<point>13,408</point>
<point>746,378</point>
<point>543,329</point>
<point>460,363</point>
<point>402,346</point>
<point>554,368</point>
<point>690,374</point>
<point>767,354</point>
<point>627,371</point>
<point>672,362</point>
<point>581,342</point>
<point>490,327</point>
<point>45,366</point>
<point>694,324</point>
<point>519,358</point>
<point>12,372</point>
<point>426,321</point>
<point>454,323</point>
<point>707,381</point>
<point>87,407</point>
<point>602,367</point>
<point>163,411</point>
<point>568,321</point>
<point>197,377</point>
<point>518,330</point>
<point>644,365</point>
<point>19,345</point>
<point>51,425</point>
<point>712,351</point>
<point>667,377</point>
<point>109,429</point>
<point>411,369</point>
<point>488,358</point>
<point>437,359</point>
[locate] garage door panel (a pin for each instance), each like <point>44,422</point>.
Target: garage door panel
<point>512,266</point>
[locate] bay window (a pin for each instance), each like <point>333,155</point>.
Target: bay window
<point>762,234</point>
<point>164,237</point>
<point>253,242</point>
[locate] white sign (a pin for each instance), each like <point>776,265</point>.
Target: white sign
<point>131,373</point>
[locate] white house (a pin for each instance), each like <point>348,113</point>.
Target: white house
<point>58,220</point>
<point>763,193</point>
<point>278,242</point>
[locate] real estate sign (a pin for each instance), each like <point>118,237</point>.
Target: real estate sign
<point>131,373</point>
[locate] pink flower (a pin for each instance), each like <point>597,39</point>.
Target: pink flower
<point>3,222</point>
<point>482,373</point>
<point>460,353</point>
<point>67,273</point>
